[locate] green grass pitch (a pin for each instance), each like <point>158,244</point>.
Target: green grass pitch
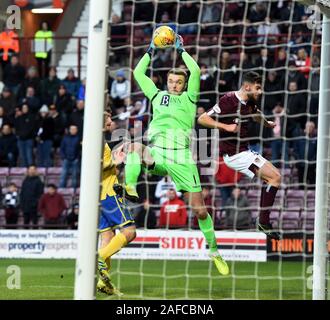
<point>54,279</point>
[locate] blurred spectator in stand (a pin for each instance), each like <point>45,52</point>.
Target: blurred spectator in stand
<point>281,63</point>
<point>245,62</point>
<point>315,87</point>
<point>50,87</point>
<point>13,75</point>
<point>8,147</point>
<point>207,88</point>
<point>59,126</point>
<point>70,154</point>
<point>162,187</point>
<point>188,18</point>
<point>31,100</point>
<point>31,191</point>
<point>72,218</point>
<point>144,12</point>
<point>120,90</point>
<point>264,61</point>
<point>226,178</point>
<point>64,103</point>
<point>11,204</point>
<point>9,45</point>
<point>210,18</point>
<point>303,62</point>
<point>165,20</point>
<point>31,80</point>
<point>82,91</point>
<point>272,84</point>
<point>145,216</point>
<point>8,102</point>
<point>51,206</point>
<point>305,150</point>
<point>296,108</point>
<point>294,75</point>
<point>3,118</point>
<point>138,112</point>
<point>238,214</point>
<point>173,213</point>
<point>279,145</point>
<point>71,83</point>
<point>43,44</point>
<point>227,79</point>
<point>45,138</point>
<point>118,31</point>
<point>26,130</point>
<point>77,118</point>
<point>258,12</point>
<point>268,32</point>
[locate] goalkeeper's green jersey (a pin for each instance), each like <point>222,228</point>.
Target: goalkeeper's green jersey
<point>173,115</point>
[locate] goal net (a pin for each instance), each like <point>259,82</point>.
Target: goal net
<point>281,40</point>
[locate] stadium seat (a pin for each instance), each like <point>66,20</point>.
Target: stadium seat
<point>290,220</point>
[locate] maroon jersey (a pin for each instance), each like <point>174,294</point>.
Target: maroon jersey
<point>231,110</point>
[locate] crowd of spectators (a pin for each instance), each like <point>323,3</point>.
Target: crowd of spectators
<point>41,118</point>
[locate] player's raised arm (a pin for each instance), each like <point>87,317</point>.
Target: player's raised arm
<point>146,84</point>
<point>195,72</point>
<point>207,121</point>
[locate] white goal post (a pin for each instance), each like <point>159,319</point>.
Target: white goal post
<point>323,159</point>
<point>92,149</point>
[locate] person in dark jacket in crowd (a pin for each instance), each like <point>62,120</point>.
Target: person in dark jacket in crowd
<point>51,206</point>
<point>305,149</point>
<point>72,218</point>
<point>31,191</point>
<point>64,103</point>
<point>77,118</point>
<point>8,102</point>
<point>49,87</point>
<point>26,130</point>
<point>45,138</point>
<point>70,154</point>
<point>72,83</point>
<point>31,100</point>
<point>11,205</point>
<point>32,80</point>
<point>13,74</point>
<point>8,147</point>
<point>59,126</point>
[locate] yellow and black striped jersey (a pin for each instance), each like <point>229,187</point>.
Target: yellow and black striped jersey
<point>109,177</point>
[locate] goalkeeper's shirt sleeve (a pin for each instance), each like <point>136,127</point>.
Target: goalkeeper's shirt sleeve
<point>146,84</point>
<point>194,79</point>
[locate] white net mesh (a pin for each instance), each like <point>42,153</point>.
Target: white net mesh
<point>281,40</point>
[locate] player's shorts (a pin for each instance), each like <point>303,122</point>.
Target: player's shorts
<point>179,165</point>
<point>242,162</point>
<point>114,215</point>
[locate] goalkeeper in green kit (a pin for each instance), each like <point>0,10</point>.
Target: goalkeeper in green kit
<point>169,134</point>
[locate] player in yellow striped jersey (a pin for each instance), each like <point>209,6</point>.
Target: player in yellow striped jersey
<point>114,216</point>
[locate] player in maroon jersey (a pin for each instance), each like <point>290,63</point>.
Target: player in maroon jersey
<point>239,107</point>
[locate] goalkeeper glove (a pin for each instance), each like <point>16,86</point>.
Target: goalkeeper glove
<point>151,47</point>
<point>179,44</point>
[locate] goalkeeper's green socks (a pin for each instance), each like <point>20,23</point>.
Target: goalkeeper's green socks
<point>207,228</point>
<point>132,169</point>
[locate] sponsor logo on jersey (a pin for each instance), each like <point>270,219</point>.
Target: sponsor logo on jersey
<point>165,100</point>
